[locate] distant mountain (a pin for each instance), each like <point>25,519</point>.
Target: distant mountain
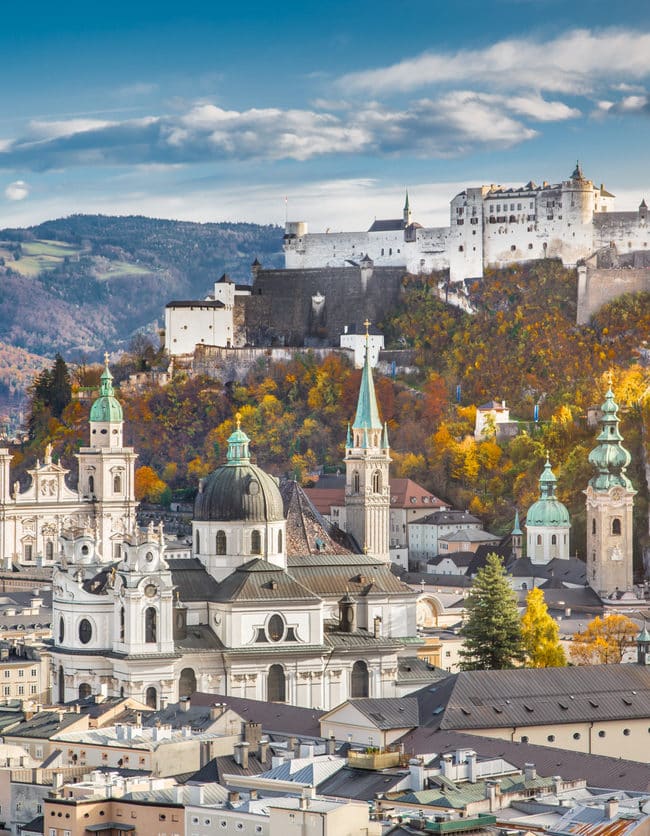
<point>84,284</point>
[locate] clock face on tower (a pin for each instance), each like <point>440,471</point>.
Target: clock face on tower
<point>150,590</point>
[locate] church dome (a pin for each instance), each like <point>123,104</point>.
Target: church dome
<point>239,490</point>
<point>548,510</point>
<point>106,408</point>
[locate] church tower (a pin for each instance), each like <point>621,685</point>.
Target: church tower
<point>407,210</point>
<point>610,500</point>
<point>547,523</point>
<point>106,471</point>
<point>367,462</point>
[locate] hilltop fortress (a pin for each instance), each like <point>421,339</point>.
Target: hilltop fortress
<point>489,226</point>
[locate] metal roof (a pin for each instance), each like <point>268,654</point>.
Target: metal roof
<point>259,580</point>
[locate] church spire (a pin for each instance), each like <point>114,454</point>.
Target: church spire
<point>407,210</point>
<point>367,416</point>
<point>238,452</point>
<point>609,458</point>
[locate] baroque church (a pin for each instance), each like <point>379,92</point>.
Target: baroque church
<point>274,604</point>
<point>104,500</point>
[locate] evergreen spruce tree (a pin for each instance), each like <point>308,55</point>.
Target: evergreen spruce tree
<point>540,634</point>
<point>492,630</point>
<point>60,393</point>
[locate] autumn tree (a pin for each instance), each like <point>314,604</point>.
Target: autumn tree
<point>540,634</point>
<point>149,487</point>
<point>492,630</point>
<point>604,641</point>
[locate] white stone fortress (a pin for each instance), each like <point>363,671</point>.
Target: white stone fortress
<point>489,226</point>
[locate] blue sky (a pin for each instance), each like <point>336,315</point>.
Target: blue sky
<point>219,111</point>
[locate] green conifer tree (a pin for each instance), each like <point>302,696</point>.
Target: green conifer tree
<point>492,629</point>
<point>540,634</point>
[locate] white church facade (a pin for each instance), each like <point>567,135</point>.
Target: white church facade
<point>31,520</point>
<point>489,226</point>
<point>274,604</point>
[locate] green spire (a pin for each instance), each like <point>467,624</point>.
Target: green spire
<point>367,416</point>
<point>547,481</point>
<point>644,635</point>
<point>106,407</point>
<point>407,207</point>
<point>238,446</point>
<point>609,458</point>
<point>516,528</point>
<point>348,439</point>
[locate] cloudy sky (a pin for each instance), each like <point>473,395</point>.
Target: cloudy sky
<point>326,112</point>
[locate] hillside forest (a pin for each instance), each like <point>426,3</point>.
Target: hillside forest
<point>522,346</point>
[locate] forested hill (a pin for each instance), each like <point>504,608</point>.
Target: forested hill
<point>80,284</point>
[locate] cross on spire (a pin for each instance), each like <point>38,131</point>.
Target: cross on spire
<point>366,324</point>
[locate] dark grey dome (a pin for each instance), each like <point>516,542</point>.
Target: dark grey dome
<point>239,492</point>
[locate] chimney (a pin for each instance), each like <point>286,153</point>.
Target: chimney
<point>57,780</point>
<point>185,703</point>
<point>492,791</point>
<point>241,754</point>
<point>252,733</point>
<point>376,626</point>
<point>330,746</point>
<point>263,750</point>
<point>163,702</point>
<point>530,773</point>
<point>216,710</point>
<point>471,767</point>
<point>233,797</point>
<point>306,750</point>
<point>416,769</point>
<point>252,794</point>
<point>611,808</point>
<point>446,766</point>
<point>303,803</point>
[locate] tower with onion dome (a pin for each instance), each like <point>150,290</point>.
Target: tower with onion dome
<point>610,502</point>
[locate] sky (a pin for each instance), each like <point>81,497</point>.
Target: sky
<point>319,112</point>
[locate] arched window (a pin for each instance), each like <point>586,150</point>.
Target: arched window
<point>553,539</point>
<point>539,539</point>
<point>187,684</point>
<point>151,697</point>
<point>117,484</point>
<point>49,550</point>
<point>122,622</point>
<point>355,482</point>
<point>359,680</point>
<point>91,484</point>
<point>61,630</point>
<point>275,627</point>
<point>84,691</point>
<point>376,482</point>
<point>150,625</point>
<point>197,539</point>
<point>61,684</point>
<point>593,525</point>
<point>280,541</point>
<point>616,526</point>
<point>276,684</point>
<point>221,542</point>
<point>256,542</point>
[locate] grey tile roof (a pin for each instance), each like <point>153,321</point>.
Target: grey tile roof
<point>413,669</point>
<point>43,725</point>
<point>275,718</point>
<point>192,580</point>
<point>389,712</point>
<point>199,637</point>
<point>260,580</point>
<point>598,770</point>
<point>359,639</point>
<point>358,574</point>
<point>447,518</point>
<point>387,225</point>
<point>529,696</point>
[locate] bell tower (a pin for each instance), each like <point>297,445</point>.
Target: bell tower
<point>367,463</point>
<point>610,501</point>
<point>106,470</point>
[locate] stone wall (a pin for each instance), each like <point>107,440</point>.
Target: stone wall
<point>233,364</point>
<point>312,307</point>
<point>606,275</point>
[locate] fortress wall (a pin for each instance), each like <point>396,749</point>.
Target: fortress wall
<point>281,310</point>
<point>233,364</point>
<point>628,230</point>
<point>597,286</point>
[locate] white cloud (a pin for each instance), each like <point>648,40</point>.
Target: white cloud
<point>18,190</point>
<point>575,62</point>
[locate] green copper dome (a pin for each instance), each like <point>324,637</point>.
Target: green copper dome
<point>106,408</point>
<point>609,458</point>
<point>239,491</point>
<point>548,510</point>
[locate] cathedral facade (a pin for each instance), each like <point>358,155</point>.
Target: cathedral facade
<point>103,501</point>
<point>274,604</point>
<point>489,226</point>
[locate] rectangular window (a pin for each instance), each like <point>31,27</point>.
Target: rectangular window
<point>21,672</point>
<point>32,672</point>
<point>33,689</point>
<point>21,690</point>
<point>7,673</point>
<point>7,690</point>
<point>27,551</point>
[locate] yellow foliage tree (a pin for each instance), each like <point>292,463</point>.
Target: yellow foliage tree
<point>604,641</point>
<point>149,487</point>
<point>540,634</point>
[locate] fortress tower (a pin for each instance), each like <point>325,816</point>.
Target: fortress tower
<point>610,500</point>
<point>367,462</point>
